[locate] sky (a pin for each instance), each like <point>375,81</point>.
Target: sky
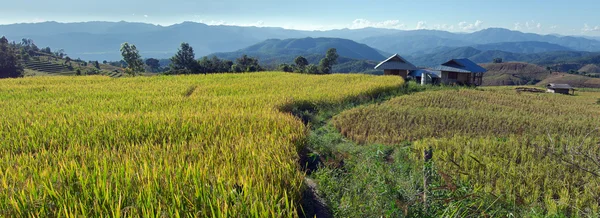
<point>565,17</point>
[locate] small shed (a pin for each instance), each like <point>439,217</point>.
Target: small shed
<point>426,76</point>
<point>560,88</point>
<point>396,65</point>
<point>461,71</point>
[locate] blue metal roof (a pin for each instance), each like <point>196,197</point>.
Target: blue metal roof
<point>419,73</point>
<point>461,66</point>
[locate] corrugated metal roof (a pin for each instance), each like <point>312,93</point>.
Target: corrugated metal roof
<point>559,86</point>
<point>419,73</point>
<point>461,66</point>
<point>395,62</point>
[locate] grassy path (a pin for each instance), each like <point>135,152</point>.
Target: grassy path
<point>335,164</point>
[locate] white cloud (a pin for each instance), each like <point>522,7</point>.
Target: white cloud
<point>215,22</point>
<point>470,26</point>
<point>259,23</point>
<point>389,24</point>
<point>443,27</point>
<point>533,25</point>
<point>421,25</point>
<point>145,15</point>
<point>311,27</point>
<point>554,27</point>
<point>530,25</point>
<point>587,28</point>
<point>517,26</point>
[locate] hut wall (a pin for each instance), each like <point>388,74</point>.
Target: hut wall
<point>562,91</point>
<point>444,76</point>
<point>461,78</point>
<point>447,79</point>
<point>464,78</point>
<point>402,73</point>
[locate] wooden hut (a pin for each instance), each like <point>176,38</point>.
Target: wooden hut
<point>462,72</point>
<point>396,65</point>
<point>560,88</point>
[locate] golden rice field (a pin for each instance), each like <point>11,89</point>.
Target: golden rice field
<point>529,149</point>
<point>174,146</point>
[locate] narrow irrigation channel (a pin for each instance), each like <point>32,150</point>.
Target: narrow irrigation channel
<point>325,150</point>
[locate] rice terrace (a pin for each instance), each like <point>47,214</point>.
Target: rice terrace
<point>299,109</point>
<point>136,147</point>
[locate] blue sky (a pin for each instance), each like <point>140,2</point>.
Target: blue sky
<point>574,17</point>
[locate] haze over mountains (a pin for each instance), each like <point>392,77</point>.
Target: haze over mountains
<point>101,41</point>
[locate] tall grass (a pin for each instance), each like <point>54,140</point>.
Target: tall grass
<point>210,146</point>
<point>497,142</point>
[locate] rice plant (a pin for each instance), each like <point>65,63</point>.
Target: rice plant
<point>531,150</point>
<point>208,146</point>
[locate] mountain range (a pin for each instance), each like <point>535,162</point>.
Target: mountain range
<point>420,41</point>
<point>274,51</point>
<point>487,56</point>
<point>101,40</point>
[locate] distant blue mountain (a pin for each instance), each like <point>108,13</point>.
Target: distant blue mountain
<point>354,57</point>
<point>277,50</point>
<point>528,47</point>
<point>483,56</point>
<point>418,42</point>
<point>101,40</point>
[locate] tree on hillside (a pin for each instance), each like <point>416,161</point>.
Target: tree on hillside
<point>285,68</point>
<point>205,65</point>
<point>97,65</point>
<point>220,66</point>
<point>153,63</point>
<point>326,64</point>
<point>26,42</point>
<point>133,59</point>
<point>246,64</point>
<point>301,62</point>
<point>312,69</point>
<point>9,62</point>
<point>497,60</point>
<point>60,53</point>
<point>214,65</point>
<point>47,50</point>
<point>184,61</point>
